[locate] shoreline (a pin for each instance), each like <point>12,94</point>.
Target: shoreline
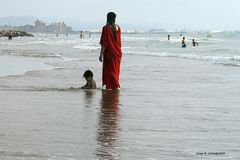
<point>16,65</point>
<point>167,107</point>
<point>178,108</point>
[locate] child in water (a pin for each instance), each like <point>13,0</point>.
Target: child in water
<point>184,43</point>
<point>91,84</point>
<point>194,43</point>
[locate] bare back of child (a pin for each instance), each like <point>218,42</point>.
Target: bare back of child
<point>91,83</point>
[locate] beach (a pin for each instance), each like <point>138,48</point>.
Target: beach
<point>173,104</point>
<point>11,65</point>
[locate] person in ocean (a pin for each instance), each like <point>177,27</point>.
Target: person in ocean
<point>194,43</point>
<point>168,37</point>
<point>184,43</point>
<point>81,34</point>
<point>111,53</point>
<point>91,84</point>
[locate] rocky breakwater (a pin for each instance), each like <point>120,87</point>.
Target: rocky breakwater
<point>14,33</point>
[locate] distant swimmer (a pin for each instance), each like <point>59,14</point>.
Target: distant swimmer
<point>184,43</point>
<point>194,43</point>
<point>209,35</point>
<point>168,37</point>
<point>81,34</point>
<point>10,37</point>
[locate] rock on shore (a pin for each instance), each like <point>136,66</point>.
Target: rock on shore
<point>15,33</point>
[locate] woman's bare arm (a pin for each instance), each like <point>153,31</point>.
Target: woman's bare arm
<point>101,53</point>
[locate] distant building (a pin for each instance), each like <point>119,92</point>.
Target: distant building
<point>61,26</point>
<point>68,29</point>
<point>27,28</point>
<point>40,26</point>
<point>156,31</point>
<point>52,27</point>
<point>6,27</point>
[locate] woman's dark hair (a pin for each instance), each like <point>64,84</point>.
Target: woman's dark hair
<point>111,17</point>
<point>88,73</point>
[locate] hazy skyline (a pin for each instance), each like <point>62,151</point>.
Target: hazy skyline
<point>146,14</point>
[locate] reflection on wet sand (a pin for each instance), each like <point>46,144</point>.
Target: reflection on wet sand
<point>89,97</point>
<point>107,130</point>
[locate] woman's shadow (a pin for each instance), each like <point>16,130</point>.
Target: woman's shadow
<point>107,129</point>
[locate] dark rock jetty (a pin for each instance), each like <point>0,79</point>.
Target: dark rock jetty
<point>14,33</point>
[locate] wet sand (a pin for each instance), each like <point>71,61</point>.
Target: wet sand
<point>168,108</point>
<point>13,65</point>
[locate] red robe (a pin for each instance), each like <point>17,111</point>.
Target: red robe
<point>111,57</point>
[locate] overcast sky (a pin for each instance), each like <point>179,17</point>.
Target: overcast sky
<point>166,14</point>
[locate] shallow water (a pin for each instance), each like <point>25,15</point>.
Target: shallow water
<point>168,107</point>
<point>11,65</point>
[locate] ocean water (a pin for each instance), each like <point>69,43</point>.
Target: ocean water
<point>72,54</point>
<point>174,103</point>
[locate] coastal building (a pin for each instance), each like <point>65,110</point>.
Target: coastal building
<point>39,26</point>
<point>59,27</point>
<point>68,29</point>
<point>26,28</point>
<point>6,27</point>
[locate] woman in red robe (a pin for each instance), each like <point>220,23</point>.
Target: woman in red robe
<point>111,53</point>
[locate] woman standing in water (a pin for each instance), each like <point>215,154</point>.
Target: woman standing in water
<point>111,53</point>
